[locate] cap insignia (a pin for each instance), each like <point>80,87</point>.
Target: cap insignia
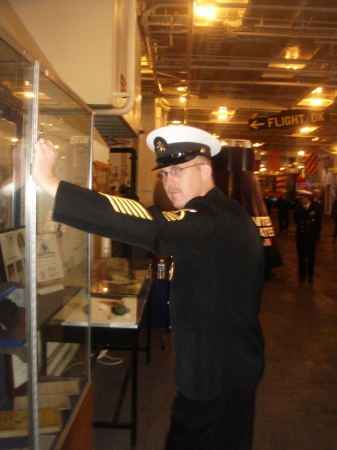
<point>160,147</point>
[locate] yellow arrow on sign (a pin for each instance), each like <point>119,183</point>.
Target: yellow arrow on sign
<point>256,124</point>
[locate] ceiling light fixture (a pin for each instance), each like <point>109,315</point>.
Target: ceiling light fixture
<point>307,129</point>
<point>316,101</point>
<point>258,144</point>
<point>205,11</point>
<point>292,52</point>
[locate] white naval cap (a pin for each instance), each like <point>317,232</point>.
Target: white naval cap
<point>303,193</point>
<point>176,144</point>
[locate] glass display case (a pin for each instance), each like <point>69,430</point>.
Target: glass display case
<point>43,264</point>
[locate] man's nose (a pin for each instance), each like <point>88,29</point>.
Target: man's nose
<point>170,179</point>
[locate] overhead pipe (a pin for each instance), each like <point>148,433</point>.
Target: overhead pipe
<point>273,7</point>
<point>306,72</point>
<point>189,49</point>
<point>130,74</point>
<point>149,43</point>
<point>267,83</point>
<point>263,61</point>
<point>233,33</point>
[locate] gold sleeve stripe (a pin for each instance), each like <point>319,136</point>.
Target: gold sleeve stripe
<point>177,215</point>
<point>128,206</point>
<point>171,215</point>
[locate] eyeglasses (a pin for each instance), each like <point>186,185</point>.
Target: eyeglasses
<point>175,172</point>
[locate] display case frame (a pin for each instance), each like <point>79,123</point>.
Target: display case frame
<point>51,103</point>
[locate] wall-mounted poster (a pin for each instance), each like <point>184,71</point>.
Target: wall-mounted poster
<point>12,259</point>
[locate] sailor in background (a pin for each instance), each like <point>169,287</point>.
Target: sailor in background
<point>306,219</point>
<point>283,206</point>
<point>317,200</point>
<point>216,287</point>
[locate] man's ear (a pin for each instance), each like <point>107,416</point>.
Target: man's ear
<point>206,171</point>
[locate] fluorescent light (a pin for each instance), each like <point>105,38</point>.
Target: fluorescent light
<point>316,101</point>
<point>205,11</point>
<point>307,129</point>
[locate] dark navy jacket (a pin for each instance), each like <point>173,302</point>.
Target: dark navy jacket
<point>217,282</point>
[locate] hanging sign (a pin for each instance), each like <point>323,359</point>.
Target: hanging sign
<point>295,118</point>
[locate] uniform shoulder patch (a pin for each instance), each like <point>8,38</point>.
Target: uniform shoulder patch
<point>128,206</point>
<point>176,215</point>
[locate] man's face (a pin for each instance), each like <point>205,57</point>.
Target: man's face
<point>305,200</point>
<point>189,184</point>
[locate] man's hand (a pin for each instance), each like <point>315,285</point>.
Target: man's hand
<point>44,165</point>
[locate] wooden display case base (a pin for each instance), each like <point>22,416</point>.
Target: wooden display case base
<point>78,432</point>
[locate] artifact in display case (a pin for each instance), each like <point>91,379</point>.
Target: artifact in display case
<point>117,312</point>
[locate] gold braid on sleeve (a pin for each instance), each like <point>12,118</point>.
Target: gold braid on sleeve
<point>128,206</point>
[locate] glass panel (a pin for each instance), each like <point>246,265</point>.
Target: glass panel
<point>62,251</point>
<point>62,355</point>
<point>16,75</point>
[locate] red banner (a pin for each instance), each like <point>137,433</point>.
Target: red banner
<point>302,183</point>
<point>281,183</point>
<point>310,164</point>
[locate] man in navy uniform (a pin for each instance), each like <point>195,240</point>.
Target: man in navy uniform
<point>306,220</point>
<point>216,286</point>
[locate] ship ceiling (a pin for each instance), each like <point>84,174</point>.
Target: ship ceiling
<point>253,60</point>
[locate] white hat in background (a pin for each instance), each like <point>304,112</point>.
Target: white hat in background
<point>303,193</point>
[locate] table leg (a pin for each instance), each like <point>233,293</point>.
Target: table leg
<point>134,386</point>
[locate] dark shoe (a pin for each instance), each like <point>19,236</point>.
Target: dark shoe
<point>310,280</point>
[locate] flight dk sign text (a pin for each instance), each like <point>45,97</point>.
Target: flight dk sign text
<point>293,119</point>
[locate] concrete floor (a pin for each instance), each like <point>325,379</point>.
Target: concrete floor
<point>296,404</point>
